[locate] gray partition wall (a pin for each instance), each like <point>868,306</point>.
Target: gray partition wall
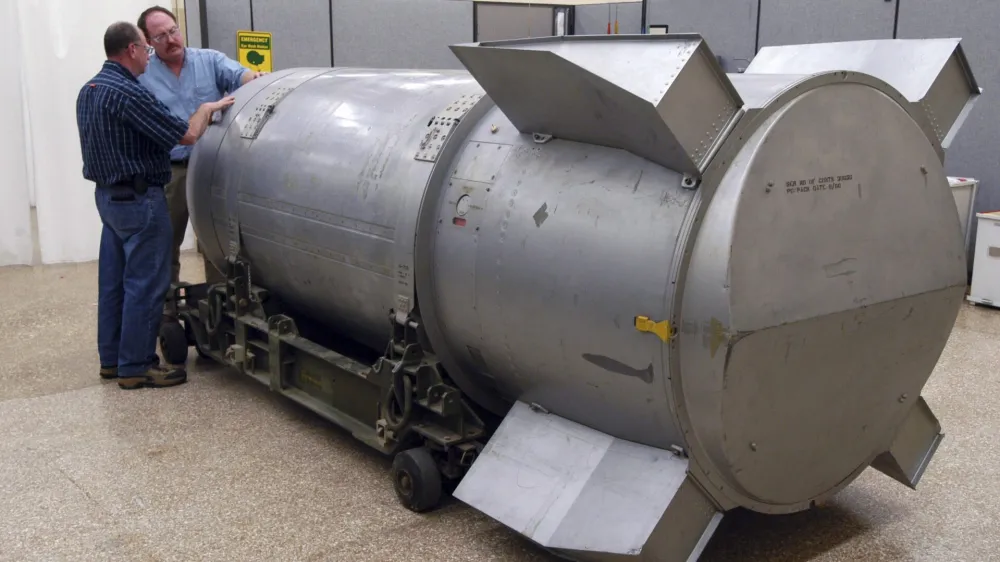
<point>300,29</point>
<point>385,33</point>
<point>974,150</point>
<point>221,19</point>
<point>399,33</point>
<point>784,22</point>
<point>729,26</point>
<point>373,33</point>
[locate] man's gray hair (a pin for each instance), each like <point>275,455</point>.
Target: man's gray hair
<point>119,36</point>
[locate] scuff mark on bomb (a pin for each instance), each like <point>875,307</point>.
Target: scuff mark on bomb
<point>609,364</point>
<point>541,214</point>
<point>840,268</point>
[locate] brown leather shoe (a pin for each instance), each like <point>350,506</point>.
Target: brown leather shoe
<point>156,377</point>
<point>108,373</point>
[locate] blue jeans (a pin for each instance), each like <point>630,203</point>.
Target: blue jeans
<point>133,276</point>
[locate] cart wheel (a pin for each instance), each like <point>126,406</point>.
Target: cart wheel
<point>417,480</point>
<point>173,343</point>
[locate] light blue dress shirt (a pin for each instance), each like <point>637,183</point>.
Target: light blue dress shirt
<point>207,76</point>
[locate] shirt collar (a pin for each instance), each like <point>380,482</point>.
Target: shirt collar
<point>119,68</point>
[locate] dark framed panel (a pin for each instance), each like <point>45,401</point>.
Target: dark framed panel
<point>497,21</point>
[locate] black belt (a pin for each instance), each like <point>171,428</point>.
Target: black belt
<point>181,163</point>
<point>138,184</point>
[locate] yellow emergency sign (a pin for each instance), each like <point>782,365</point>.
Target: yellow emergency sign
<point>254,50</point>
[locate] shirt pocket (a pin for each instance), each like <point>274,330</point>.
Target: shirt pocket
<point>207,92</point>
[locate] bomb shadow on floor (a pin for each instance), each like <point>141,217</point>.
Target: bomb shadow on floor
<point>800,537</point>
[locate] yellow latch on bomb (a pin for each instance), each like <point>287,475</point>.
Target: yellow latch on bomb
<point>661,329</point>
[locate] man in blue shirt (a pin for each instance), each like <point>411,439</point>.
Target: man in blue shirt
<point>184,78</point>
<point>126,135</point>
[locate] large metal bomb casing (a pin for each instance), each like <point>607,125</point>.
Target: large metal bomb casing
<point>713,291</point>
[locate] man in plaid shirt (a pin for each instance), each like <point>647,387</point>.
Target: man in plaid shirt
<point>126,135</point>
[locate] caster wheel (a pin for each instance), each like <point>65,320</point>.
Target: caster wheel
<point>173,343</point>
<point>417,480</point>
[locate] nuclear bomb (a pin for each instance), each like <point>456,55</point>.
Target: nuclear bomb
<point>598,288</point>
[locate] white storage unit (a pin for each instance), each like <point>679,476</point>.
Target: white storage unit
<point>986,262</point>
<point>964,190</point>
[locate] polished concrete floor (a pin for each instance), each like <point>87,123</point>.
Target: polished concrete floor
<point>219,469</point>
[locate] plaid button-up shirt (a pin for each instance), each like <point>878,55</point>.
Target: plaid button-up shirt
<point>125,131</point>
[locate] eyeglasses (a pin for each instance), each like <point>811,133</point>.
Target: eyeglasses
<point>172,32</point>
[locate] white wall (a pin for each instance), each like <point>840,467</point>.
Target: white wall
<point>15,214</point>
<point>57,46</point>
